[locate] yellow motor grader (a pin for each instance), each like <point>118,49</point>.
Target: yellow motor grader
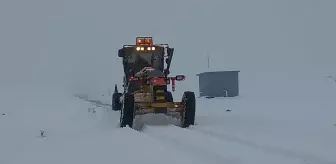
<point>145,84</point>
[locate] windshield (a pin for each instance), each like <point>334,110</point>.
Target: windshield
<point>135,61</point>
<point>139,57</point>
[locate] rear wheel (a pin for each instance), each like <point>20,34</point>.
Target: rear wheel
<point>127,111</point>
<point>188,115</point>
<point>169,97</point>
<point>116,104</point>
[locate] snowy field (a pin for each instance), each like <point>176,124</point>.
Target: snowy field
<point>285,50</point>
<point>249,129</point>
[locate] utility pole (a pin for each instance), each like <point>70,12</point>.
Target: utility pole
<point>208,61</point>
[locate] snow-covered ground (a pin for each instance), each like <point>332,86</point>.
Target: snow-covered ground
<point>256,129</point>
<point>50,50</point>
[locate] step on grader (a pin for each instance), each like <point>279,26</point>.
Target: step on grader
<point>145,84</point>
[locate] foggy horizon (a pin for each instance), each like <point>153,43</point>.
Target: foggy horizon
<point>72,45</point>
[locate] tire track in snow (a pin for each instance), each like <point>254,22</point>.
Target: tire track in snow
<point>180,142</point>
<point>308,158</point>
<point>212,149</point>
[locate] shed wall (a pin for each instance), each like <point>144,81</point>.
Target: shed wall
<point>214,84</point>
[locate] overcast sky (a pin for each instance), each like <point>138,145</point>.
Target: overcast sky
<point>72,44</point>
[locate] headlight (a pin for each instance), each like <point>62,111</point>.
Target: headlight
<point>138,48</point>
<point>142,48</point>
<point>153,48</point>
<point>148,48</point>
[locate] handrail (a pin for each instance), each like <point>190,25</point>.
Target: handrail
<point>226,93</point>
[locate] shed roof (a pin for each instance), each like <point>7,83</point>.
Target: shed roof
<point>215,72</point>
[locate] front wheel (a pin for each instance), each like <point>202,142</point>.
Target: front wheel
<point>188,114</point>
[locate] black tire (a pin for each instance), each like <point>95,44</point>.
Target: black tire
<point>169,96</point>
<point>127,112</point>
<point>188,115</point>
<point>116,104</point>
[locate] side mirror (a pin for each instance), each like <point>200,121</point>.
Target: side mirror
<point>180,77</point>
<point>121,52</point>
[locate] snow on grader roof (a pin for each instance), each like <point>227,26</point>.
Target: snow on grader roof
<point>145,84</point>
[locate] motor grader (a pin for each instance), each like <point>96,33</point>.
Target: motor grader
<point>145,84</point>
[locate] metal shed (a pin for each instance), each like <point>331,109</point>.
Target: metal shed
<point>219,84</point>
